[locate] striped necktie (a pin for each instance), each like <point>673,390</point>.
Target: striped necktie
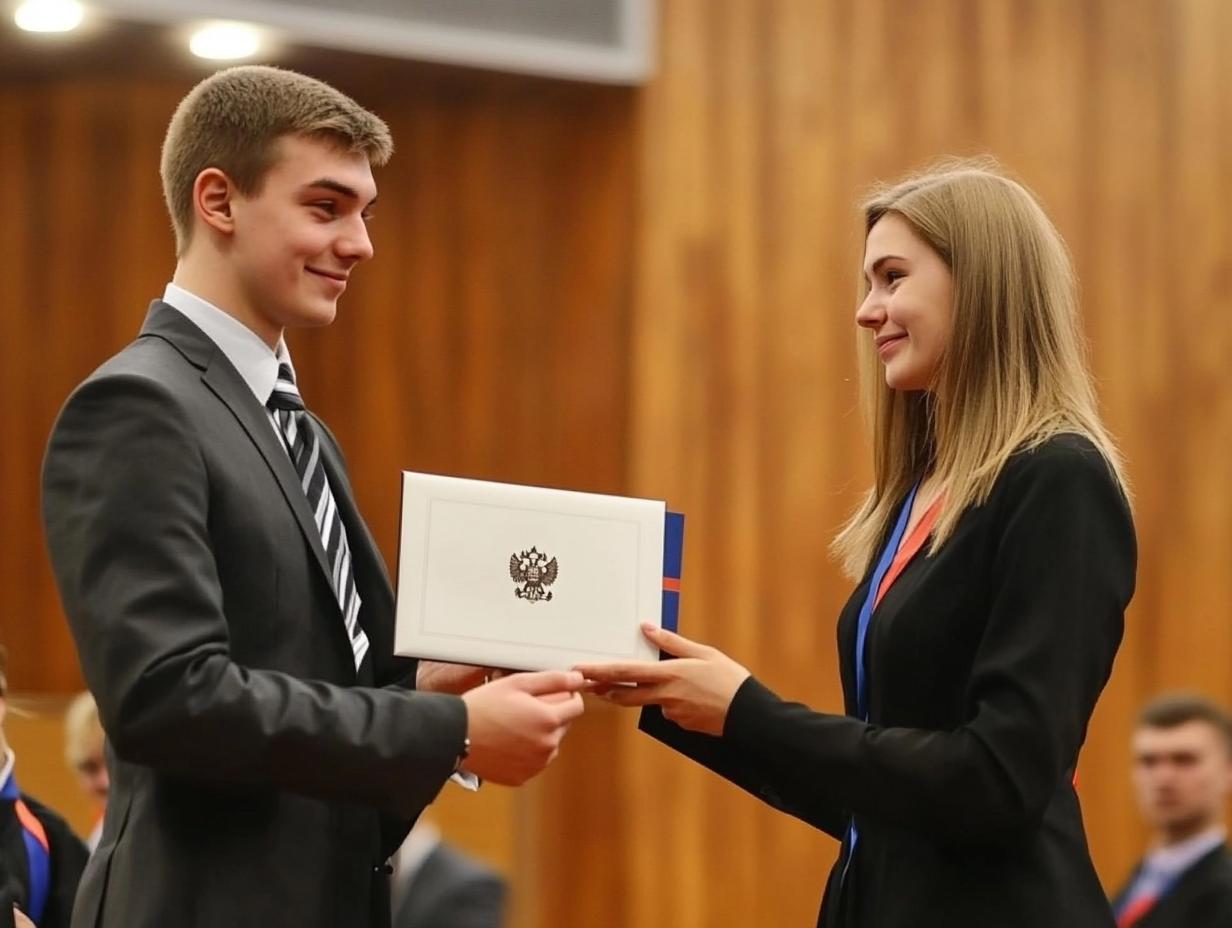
<point>287,410</point>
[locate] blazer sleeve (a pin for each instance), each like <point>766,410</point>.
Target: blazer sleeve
<point>1062,573</point>
<point>126,511</point>
<point>757,774</point>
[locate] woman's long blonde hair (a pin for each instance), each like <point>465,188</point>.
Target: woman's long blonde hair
<point>1014,372</point>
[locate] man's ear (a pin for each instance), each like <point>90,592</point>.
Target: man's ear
<point>213,193</point>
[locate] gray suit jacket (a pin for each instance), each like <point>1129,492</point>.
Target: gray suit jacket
<point>258,779</point>
<point>450,890</point>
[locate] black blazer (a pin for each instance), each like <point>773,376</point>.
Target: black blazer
<point>250,761</point>
<point>984,664</point>
<point>450,890</point>
<point>1201,898</point>
<point>67,856</point>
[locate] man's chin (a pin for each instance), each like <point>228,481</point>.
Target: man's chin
<point>1172,819</point>
<point>313,317</point>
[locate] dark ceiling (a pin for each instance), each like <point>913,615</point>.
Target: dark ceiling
<point>115,49</point>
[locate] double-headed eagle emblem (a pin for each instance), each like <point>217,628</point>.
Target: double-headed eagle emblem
<point>535,572</point>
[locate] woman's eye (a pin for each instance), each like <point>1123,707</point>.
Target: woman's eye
<point>893,277</point>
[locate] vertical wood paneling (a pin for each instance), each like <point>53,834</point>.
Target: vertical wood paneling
<point>1117,114</point>
<point>652,292</point>
<point>489,337</point>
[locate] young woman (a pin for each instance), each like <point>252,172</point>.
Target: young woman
<point>995,556</point>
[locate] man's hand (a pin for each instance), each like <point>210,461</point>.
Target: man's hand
<point>695,691</point>
<point>439,677</point>
<point>515,724</point>
<point>21,919</point>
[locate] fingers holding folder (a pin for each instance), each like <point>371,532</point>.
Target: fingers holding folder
<point>515,724</point>
<point>695,690</point>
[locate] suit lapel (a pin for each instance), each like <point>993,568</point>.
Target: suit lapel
<point>1192,884</point>
<point>221,377</point>
<point>371,577</point>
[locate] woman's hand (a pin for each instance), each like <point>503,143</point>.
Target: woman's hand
<point>695,690</point>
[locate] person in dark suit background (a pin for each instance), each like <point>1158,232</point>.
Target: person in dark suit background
<point>232,614</point>
<point>10,915</point>
<point>993,558</point>
<point>1182,773</point>
<point>40,858</point>
<point>435,885</point>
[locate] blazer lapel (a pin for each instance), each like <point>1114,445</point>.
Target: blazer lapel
<point>221,377</point>
<point>371,576</point>
<point>363,545</point>
<point>1192,884</point>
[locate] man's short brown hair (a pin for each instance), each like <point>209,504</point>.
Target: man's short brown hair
<point>1175,709</point>
<point>233,120</point>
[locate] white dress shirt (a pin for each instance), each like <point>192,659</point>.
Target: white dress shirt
<point>10,761</point>
<point>256,362</point>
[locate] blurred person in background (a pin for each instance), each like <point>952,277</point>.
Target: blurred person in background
<point>1182,774</point>
<point>993,560</point>
<point>435,885</point>
<point>83,751</point>
<point>40,858</point>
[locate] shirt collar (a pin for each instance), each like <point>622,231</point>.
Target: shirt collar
<point>1178,858</point>
<point>254,360</point>
<point>10,760</point>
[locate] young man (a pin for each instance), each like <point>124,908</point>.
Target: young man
<point>1182,774</point>
<point>435,885</point>
<point>233,617</point>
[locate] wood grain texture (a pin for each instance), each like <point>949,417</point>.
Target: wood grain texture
<point>765,125</point>
<point>653,292</point>
<point>489,337</point>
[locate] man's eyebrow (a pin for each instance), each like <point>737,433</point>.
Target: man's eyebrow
<point>339,188</point>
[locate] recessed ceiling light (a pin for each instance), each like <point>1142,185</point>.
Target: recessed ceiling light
<point>49,15</point>
<point>225,41</point>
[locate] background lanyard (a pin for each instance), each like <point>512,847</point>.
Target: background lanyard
<point>866,614</point>
<point>870,601</point>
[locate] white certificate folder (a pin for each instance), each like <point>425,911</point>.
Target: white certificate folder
<point>528,578</point>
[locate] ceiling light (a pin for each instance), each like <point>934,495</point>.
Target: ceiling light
<point>225,41</point>
<point>49,15</point>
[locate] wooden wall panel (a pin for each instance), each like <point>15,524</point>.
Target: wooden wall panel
<point>88,247</point>
<point>489,337</point>
<point>653,292</point>
<point>764,126</point>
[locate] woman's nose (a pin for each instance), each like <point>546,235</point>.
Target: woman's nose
<point>871,312</point>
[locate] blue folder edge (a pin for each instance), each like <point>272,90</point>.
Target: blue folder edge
<point>673,555</point>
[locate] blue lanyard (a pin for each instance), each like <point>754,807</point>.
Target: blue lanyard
<point>870,601</point>
<point>866,615</point>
